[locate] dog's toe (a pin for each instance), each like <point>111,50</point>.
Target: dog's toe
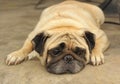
<point>97,59</point>
<point>15,58</point>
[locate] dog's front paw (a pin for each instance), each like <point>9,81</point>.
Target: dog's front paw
<point>16,57</point>
<point>97,58</point>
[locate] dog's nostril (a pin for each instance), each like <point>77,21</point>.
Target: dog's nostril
<point>68,59</point>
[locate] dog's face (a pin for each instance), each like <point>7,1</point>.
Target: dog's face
<point>66,54</point>
<point>65,59</point>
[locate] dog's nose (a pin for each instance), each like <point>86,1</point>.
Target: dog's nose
<point>68,59</point>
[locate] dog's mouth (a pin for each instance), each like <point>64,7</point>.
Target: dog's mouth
<point>61,67</point>
<point>67,64</point>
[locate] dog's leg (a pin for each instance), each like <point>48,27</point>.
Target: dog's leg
<point>101,44</point>
<point>20,55</point>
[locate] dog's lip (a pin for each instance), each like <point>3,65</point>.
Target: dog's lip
<point>56,60</point>
<point>67,71</point>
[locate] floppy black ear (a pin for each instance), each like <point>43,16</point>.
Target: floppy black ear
<point>90,40</point>
<point>39,42</point>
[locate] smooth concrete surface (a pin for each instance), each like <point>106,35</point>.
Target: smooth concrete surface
<point>17,19</point>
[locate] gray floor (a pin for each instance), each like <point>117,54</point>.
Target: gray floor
<point>17,20</point>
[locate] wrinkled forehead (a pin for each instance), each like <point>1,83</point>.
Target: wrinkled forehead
<point>69,43</point>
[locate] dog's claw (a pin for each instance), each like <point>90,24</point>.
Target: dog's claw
<point>15,58</point>
<point>97,59</point>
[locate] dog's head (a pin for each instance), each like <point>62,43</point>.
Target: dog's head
<point>64,53</point>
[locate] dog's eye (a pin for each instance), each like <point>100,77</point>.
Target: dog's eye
<point>58,50</point>
<point>77,51</point>
<point>55,52</point>
<point>80,52</point>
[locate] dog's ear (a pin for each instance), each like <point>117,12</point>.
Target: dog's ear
<point>90,40</point>
<point>39,43</point>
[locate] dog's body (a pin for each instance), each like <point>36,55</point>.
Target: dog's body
<point>69,26</point>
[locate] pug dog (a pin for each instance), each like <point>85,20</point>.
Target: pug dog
<point>67,37</point>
